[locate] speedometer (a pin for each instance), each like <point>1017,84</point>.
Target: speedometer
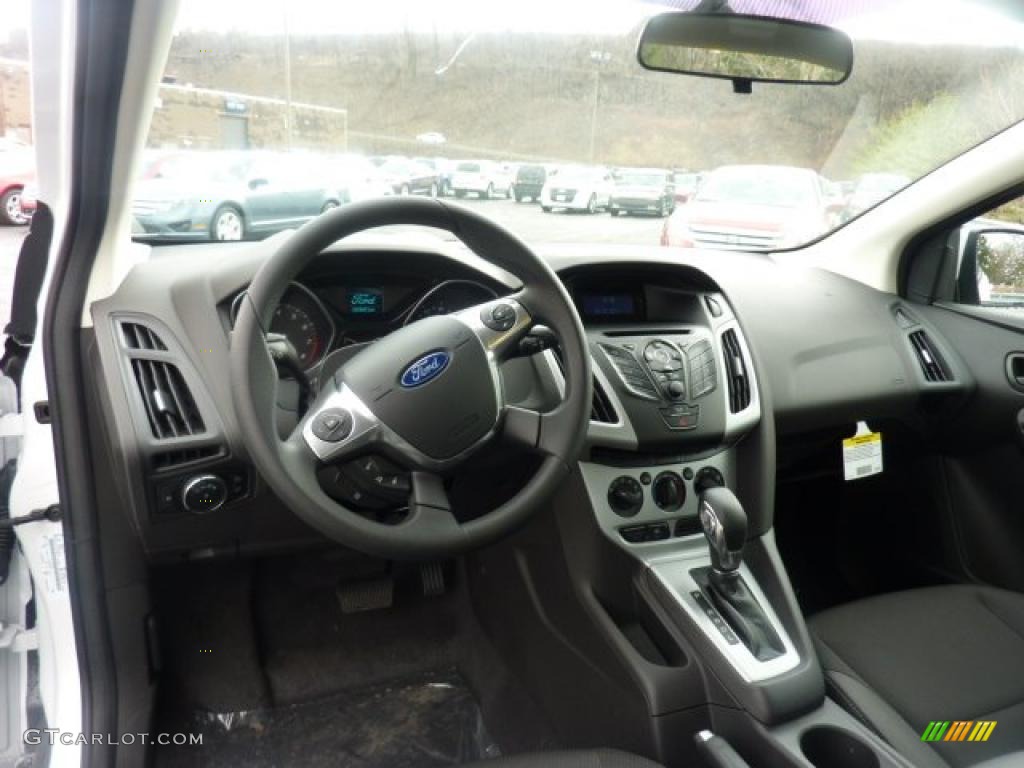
<point>449,296</point>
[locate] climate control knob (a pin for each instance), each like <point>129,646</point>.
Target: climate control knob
<point>625,496</point>
<point>669,491</point>
<point>708,477</point>
<point>204,493</point>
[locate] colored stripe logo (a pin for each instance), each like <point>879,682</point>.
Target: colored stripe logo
<point>958,730</point>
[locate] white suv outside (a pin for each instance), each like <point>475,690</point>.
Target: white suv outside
<point>483,178</point>
<point>578,188</point>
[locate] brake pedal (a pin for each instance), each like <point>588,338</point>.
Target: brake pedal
<point>371,595</point>
<point>432,578</point>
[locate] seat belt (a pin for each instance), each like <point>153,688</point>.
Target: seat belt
<point>28,282</point>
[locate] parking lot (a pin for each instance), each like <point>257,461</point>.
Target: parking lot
<point>10,244</point>
<point>526,220</point>
<point>530,223</point>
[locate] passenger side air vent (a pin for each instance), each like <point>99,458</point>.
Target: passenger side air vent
<point>171,410</point>
<point>138,336</point>
<point>736,371</point>
<point>932,364</point>
<point>601,409</point>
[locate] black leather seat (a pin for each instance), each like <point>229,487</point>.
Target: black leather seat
<point>952,653</point>
<point>583,758</point>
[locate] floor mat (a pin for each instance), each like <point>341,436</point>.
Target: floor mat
<point>421,722</point>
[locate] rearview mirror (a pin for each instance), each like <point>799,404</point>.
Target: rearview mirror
<point>745,49</point>
<point>257,183</point>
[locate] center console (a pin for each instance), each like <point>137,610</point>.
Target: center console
<point>676,406</point>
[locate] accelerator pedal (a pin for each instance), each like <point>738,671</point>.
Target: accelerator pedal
<point>432,577</point>
<point>369,595</point>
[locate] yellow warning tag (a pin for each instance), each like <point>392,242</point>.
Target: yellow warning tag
<point>862,453</point>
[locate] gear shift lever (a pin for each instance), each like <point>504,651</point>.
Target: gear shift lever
<point>725,527</point>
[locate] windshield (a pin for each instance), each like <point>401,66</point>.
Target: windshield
<point>641,179</point>
<point>496,88</point>
<point>758,186</point>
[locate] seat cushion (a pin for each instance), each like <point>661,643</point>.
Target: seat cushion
<point>583,758</point>
<point>951,653</point>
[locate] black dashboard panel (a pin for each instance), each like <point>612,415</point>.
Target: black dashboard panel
<point>823,350</point>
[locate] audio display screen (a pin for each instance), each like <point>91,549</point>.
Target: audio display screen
<point>608,305</point>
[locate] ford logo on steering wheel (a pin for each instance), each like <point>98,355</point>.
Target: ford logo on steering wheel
<point>425,369</point>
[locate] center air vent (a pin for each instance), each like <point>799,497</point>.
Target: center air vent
<point>932,364</point>
<point>171,410</point>
<point>736,371</point>
<point>601,408</point>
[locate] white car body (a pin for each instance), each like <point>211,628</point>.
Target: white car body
<point>361,178</point>
<point>573,188</point>
<point>478,176</point>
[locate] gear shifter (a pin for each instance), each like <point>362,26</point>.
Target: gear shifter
<point>725,526</point>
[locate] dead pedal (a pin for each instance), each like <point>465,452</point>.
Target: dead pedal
<point>372,595</point>
<point>432,577</point>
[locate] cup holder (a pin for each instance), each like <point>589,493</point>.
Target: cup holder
<point>828,747</point>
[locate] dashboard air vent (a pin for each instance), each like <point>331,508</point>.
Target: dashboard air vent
<point>601,409</point>
<point>138,336</point>
<point>932,364</point>
<point>736,370</point>
<point>167,459</point>
<point>171,410</point>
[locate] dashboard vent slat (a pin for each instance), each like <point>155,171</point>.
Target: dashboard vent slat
<point>138,336</point>
<point>601,408</point>
<point>170,407</point>
<point>736,370</point>
<point>932,364</point>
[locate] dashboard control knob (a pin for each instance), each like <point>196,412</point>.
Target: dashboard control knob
<point>676,389</point>
<point>204,493</point>
<point>669,491</point>
<point>707,477</point>
<point>626,496</point>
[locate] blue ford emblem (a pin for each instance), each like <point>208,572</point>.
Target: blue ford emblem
<point>425,369</point>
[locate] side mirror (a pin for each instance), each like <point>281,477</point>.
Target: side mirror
<point>257,183</point>
<point>992,267</point>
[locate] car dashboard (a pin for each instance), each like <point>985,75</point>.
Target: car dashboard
<point>700,361</point>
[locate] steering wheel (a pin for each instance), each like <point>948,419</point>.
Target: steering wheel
<point>428,395</point>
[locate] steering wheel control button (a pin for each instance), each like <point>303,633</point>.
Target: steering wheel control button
<point>204,493</point>
<point>332,425</point>
<point>681,417</point>
<point>500,317</point>
<point>625,496</point>
<point>669,491</point>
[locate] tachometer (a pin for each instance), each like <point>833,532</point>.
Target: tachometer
<point>450,296</point>
<point>301,331</point>
<point>301,318</point>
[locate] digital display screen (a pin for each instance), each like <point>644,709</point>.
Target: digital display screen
<point>608,305</point>
<point>364,302</point>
